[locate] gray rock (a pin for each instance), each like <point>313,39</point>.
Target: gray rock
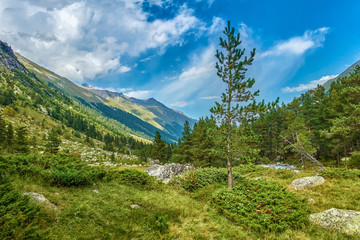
<point>311,201</point>
<point>168,171</point>
<point>41,199</point>
<point>96,191</point>
<point>8,58</point>
<point>346,221</point>
<point>307,182</point>
<point>134,206</point>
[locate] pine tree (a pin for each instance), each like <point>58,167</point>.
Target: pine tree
<point>53,142</point>
<point>185,144</point>
<point>159,148</point>
<point>9,137</point>
<point>2,131</point>
<point>21,142</point>
<point>231,68</point>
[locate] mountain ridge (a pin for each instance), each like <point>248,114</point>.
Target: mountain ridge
<point>167,121</point>
<point>343,74</point>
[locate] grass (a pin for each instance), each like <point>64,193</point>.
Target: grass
<point>173,213</point>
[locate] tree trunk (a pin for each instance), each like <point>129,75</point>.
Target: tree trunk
<point>229,169</point>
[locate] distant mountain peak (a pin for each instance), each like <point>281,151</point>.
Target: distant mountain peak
<point>343,74</point>
<point>86,85</point>
<point>8,58</point>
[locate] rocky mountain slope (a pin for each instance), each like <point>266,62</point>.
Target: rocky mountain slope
<point>145,116</point>
<point>343,74</point>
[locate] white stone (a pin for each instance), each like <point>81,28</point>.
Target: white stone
<point>307,182</point>
<point>346,221</point>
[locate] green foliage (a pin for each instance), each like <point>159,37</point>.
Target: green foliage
<point>61,169</point>
<point>53,142</point>
<point>339,173</point>
<point>262,206</point>
<point>203,177</point>
<point>19,217</point>
<point>248,168</point>
<point>354,160</point>
<point>73,174</point>
<point>135,178</point>
<point>160,223</point>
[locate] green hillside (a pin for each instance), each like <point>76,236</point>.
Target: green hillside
<point>148,115</point>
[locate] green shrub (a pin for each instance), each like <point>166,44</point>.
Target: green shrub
<point>19,217</point>
<point>262,206</point>
<point>159,223</point>
<point>133,177</point>
<point>200,178</point>
<point>247,168</point>
<point>56,169</point>
<point>354,160</point>
<point>340,173</point>
<point>73,175</point>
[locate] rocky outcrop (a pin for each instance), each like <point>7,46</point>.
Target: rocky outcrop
<point>41,199</point>
<point>346,221</point>
<point>307,182</point>
<point>8,58</point>
<point>168,171</point>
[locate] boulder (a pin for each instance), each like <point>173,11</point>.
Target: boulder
<point>41,199</point>
<point>346,221</point>
<point>311,201</point>
<point>168,171</point>
<point>307,182</point>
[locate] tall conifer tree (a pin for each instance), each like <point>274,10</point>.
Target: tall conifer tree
<point>231,68</point>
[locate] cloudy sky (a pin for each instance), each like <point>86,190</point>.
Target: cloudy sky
<point>165,48</point>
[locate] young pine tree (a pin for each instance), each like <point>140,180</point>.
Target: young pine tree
<point>21,142</point>
<point>231,68</point>
<point>53,142</point>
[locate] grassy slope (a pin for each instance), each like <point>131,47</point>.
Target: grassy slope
<point>137,110</point>
<point>84,214</point>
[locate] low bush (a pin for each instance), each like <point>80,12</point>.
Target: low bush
<point>354,161</point>
<point>133,177</point>
<point>19,217</point>
<point>73,175</point>
<point>159,223</point>
<point>200,178</point>
<point>56,169</point>
<point>262,206</point>
<point>340,173</point>
<point>248,168</point>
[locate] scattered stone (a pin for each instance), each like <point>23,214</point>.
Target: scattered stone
<point>154,162</point>
<point>134,206</point>
<point>311,201</point>
<point>346,221</point>
<point>280,166</point>
<point>40,198</point>
<point>307,182</point>
<point>96,191</point>
<point>168,171</point>
<point>258,178</point>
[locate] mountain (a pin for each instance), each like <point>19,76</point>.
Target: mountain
<point>143,117</point>
<point>343,74</point>
<point>149,110</point>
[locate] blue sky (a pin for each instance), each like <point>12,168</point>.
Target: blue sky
<point>165,48</point>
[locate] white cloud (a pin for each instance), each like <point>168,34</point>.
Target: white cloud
<point>181,104</point>
<point>124,69</point>
<point>217,25</point>
<point>210,98</point>
<point>299,45</point>
<point>82,39</point>
<point>307,86</point>
<point>196,77</point>
<point>139,94</point>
